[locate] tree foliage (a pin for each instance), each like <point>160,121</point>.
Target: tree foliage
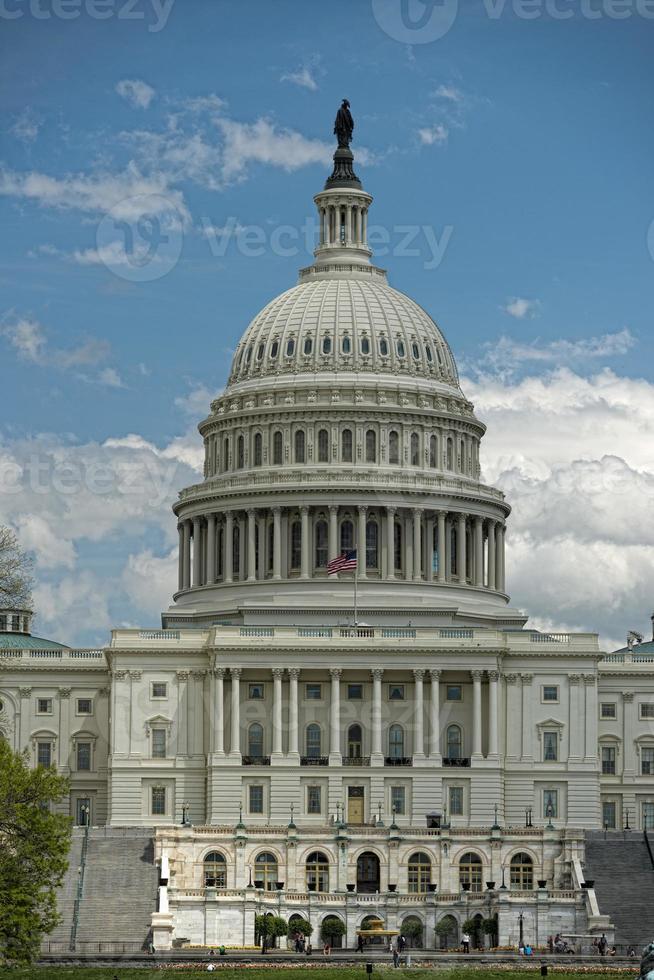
<point>332,928</point>
<point>15,572</point>
<point>34,845</point>
<point>412,928</point>
<point>303,926</point>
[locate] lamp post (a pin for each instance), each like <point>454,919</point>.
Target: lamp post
<point>85,811</point>
<point>549,813</point>
<point>626,818</point>
<point>185,808</point>
<point>521,919</point>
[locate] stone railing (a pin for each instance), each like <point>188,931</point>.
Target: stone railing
<point>57,656</point>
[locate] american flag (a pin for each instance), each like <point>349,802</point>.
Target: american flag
<point>344,563</point>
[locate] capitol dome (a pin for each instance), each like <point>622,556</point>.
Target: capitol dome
<point>342,430</point>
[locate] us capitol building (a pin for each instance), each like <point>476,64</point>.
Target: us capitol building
<point>428,756</point>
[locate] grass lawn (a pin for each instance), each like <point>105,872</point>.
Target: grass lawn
<point>281,972</point>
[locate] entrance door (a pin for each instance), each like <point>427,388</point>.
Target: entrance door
<point>355,800</point>
<point>83,812</point>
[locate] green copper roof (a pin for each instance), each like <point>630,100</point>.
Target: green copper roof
<point>647,647</point>
<point>23,641</point>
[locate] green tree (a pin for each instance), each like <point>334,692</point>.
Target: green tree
<point>412,929</point>
<point>332,928</point>
<point>303,926</point>
<point>34,846</point>
<point>446,928</point>
<point>268,927</point>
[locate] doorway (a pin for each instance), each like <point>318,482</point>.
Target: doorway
<point>83,812</point>
<point>355,801</point>
<point>368,879</point>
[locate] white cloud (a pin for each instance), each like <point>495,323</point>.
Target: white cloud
<point>197,402</point>
<point>38,536</point>
<point>136,92</point>
<point>433,135</point>
<point>26,127</point>
<point>449,92</point>
<point>110,377</point>
<point>151,580</point>
<point>505,355</point>
<point>77,601</point>
<point>29,339</point>
<point>520,308</point>
<point>263,142</point>
<point>302,77</point>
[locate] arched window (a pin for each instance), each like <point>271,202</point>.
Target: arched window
<point>215,870</point>
<point>453,742</point>
<point>419,872</point>
<point>248,356</point>
<point>383,347</point>
<point>346,445</point>
<point>430,356</point>
<point>260,349</point>
<point>346,345</point>
<point>271,546</point>
<point>236,549</point>
<point>399,347</point>
<point>326,345</point>
<point>396,742</point>
<point>415,350</point>
<point>258,449</point>
<point>415,449</point>
<point>255,740</point>
<point>354,742</point>
<point>347,536</point>
<point>265,871</point>
<point>323,446</point>
<point>433,452</point>
<point>290,347</point>
<point>308,345</point>
<point>317,868</point>
<point>397,547</point>
<point>372,544</point>
<point>462,455</point>
<point>299,446</point>
<point>240,452</point>
<point>470,869</point>
<point>371,446</point>
<point>225,454</point>
<point>522,871</point>
<point>365,346</point>
<point>313,741</point>
<point>296,544</point>
<point>278,445</point>
<point>450,453</point>
<point>274,349</point>
<point>393,447</point>
<point>321,544</point>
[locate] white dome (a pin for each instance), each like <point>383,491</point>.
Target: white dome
<point>353,322</point>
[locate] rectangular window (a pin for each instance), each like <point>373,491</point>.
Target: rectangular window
<point>398,800</point>
<point>44,706</point>
<point>44,754</point>
<point>396,692</point>
<point>550,803</point>
<point>84,756</point>
<point>84,706</point>
<point>647,710</point>
<point>456,801</point>
<point>158,801</point>
<point>159,689</point>
<point>608,710</point>
<point>550,693</point>
<point>550,746</point>
<point>355,692</point>
<point>647,761</point>
<point>608,760</point>
<point>609,815</point>
<point>454,692</point>
<point>158,743</point>
<point>255,799</point>
<point>648,816</point>
<point>313,692</point>
<point>255,692</point>
<point>314,799</point>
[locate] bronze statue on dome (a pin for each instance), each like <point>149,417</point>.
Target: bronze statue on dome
<point>344,124</point>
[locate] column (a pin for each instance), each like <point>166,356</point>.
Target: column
<point>390,541</point>
<point>182,723</point>
<point>428,549</point>
<point>377,754</point>
<point>435,715</point>
<point>591,716</point>
<point>441,546</point>
<point>361,547</point>
<point>304,554</point>
<point>252,546</point>
<point>449,525</point>
<point>219,711</point>
<point>262,557</point>
<point>419,739</point>
<point>493,712</point>
<point>417,549</point>
<point>180,557</point>
<point>210,576</point>
<point>527,719</point>
<point>335,718</point>
<point>235,746</point>
<point>512,716</point>
<point>293,729</point>
<point>186,563</point>
<point>491,554</point>
<point>196,727</point>
<point>64,747</point>
<point>479,551</point>
<point>476,713</point>
<point>197,550</point>
<point>461,548</point>
<point>499,546</point>
<point>278,673</point>
<point>629,752</point>
<point>277,543</point>
<point>228,557</point>
<point>333,532</point>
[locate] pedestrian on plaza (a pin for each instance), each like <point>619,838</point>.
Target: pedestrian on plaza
<point>402,944</point>
<point>603,945</point>
<point>360,944</point>
<point>465,942</point>
<point>396,957</point>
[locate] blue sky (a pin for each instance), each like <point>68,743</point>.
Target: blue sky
<point>517,150</point>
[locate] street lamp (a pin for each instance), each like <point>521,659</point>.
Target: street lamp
<point>626,818</point>
<point>85,811</point>
<point>521,919</point>
<point>549,813</point>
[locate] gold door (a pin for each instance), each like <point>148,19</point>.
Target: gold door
<point>355,809</point>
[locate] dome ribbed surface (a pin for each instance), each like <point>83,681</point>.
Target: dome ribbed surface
<point>344,324</point>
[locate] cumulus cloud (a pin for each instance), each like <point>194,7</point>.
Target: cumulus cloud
<point>26,127</point>
<point>449,93</point>
<point>29,339</point>
<point>151,580</point>
<point>264,142</point>
<point>302,77</point>
<point>76,602</point>
<point>520,308</point>
<point>433,135</point>
<point>506,355</point>
<point>136,92</point>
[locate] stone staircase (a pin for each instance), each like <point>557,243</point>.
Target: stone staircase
<point>621,866</point>
<point>67,893</point>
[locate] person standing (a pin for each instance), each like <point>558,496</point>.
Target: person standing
<point>465,942</point>
<point>396,957</point>
<point>603,945</point>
